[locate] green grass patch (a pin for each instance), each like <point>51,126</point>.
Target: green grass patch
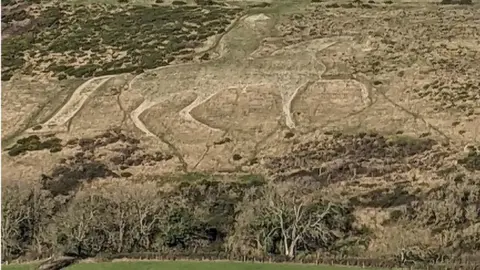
<point>23,266</point>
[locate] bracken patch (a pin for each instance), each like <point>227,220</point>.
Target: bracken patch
<point>34,143</point>
<point>340,157</point>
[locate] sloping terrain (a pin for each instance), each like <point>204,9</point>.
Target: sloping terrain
<point>368,113</point>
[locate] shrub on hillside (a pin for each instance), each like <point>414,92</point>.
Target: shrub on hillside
<point>26,213</point>
<point>34,143</point>
<point>178,3</point>
<point>450,210</point>
<point>456,2</point>
<point>202,214</point>
<point>275,222</point>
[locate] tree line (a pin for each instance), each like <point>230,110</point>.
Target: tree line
<point>242,218</point>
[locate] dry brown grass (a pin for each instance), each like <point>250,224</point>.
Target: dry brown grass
<point>373,106</point>
<point>27,103</point>
<point>254,95</point>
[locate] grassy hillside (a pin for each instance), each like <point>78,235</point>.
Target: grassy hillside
<point>327,129</point>
<point>188,266</point>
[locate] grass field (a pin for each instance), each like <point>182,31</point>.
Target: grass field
<point>186,266</point>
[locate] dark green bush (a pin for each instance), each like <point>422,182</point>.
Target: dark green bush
<point>62,77</point>
<point>471,161</point>
<point>456,2</point>
<point>178,3</point>
<point>34,143</point>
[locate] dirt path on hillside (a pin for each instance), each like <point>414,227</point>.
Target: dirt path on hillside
<point>57,123</point>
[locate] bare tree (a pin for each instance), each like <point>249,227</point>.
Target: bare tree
<point>26,210</point>
<point>298,219</point>
<point>289,219</point>
<point>119,220</point>
<point>255,228</point>
<point>80,226</point>
<point>15,212</point>
<point>145,204</point>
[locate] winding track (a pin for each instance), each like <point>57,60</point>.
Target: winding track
<point>59,120</point>
<point>135,116</point>
<point>82,93</point>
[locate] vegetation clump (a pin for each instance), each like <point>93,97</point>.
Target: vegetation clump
<point>337,157</point>
<point>245,215</point>
<point>450,210</point>
<point>471,161</point>
<point>457,94</point>
<point>104,40</point>
<point>206,2</point>
<point>456,2</point>
<point>291,224</point>
<point>205,215</point>
<point>178,3</point>
<point>67,177</point>
<point>34,143</point>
